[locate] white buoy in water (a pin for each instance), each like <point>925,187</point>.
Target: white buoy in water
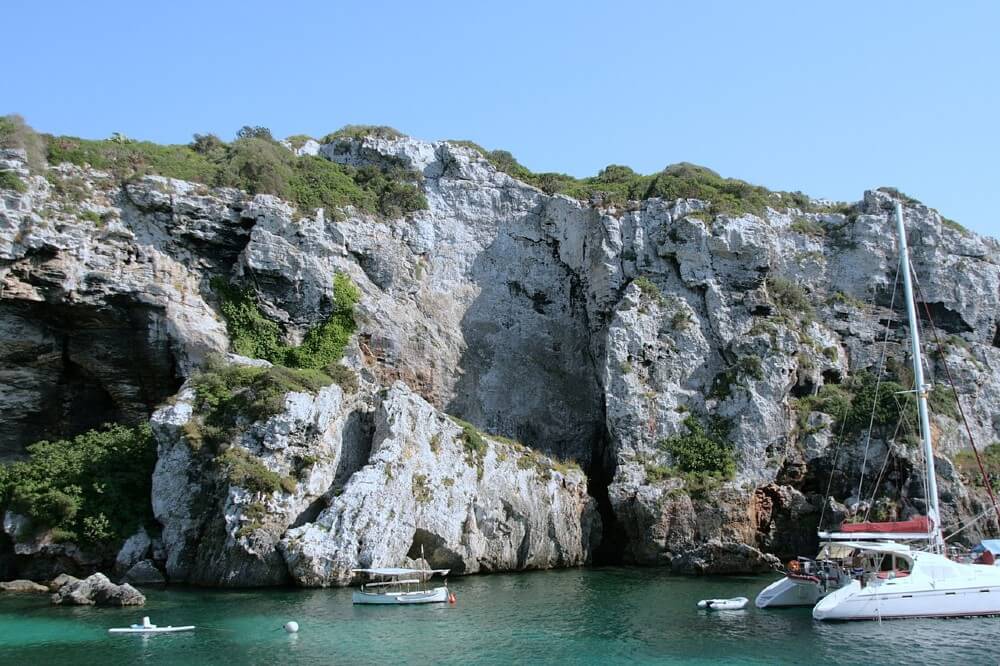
<point>292,627</point>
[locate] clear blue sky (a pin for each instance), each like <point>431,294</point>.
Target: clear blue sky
<point>830,100</point>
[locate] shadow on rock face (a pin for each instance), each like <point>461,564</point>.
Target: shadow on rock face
<point>66,369</point>
<point>431,547</point>
<point>526,371</point>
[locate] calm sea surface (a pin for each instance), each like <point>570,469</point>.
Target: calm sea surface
<point>596,616</point>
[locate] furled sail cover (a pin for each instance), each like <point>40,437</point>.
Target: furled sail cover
<point>918,524</point>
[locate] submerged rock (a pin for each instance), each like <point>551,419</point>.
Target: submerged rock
<point>97,590</point>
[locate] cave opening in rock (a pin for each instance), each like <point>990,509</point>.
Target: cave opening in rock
<point>600,473</point>
<point>355,447</point>
<point>433,549</point>
<point>805,386</point>
<point>65,369</point>
<point>832,376</point>
<point>943,317</point>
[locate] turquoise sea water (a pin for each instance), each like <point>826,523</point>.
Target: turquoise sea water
<point>596,616</point>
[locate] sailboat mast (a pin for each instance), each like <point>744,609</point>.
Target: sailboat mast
<point>918,380</point>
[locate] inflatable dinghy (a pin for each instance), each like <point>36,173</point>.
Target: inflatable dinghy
<point>736,603</point>
<point>148,628</point>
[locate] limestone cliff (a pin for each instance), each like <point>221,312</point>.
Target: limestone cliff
<point>591,333</point>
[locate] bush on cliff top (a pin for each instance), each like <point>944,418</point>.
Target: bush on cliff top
<point>254,162</point>
<point>15,133</point>
<point>616,185</point>
<point>362,131</point>
<point>93,489</point>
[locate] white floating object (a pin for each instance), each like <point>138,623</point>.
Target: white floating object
<point>151,629</point>
<point>736,603</point>
<point>292,627</point>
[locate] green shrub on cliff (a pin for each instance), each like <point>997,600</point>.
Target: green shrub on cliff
<point>230,397</point>
<point>254,162</point>
<point>320,183</point>
<point>253,335</point>
<point>11,181</point>
<point>362,131</point>
<point>257,165</point>
<point>15,133</point>
<point>858,402</point>
<point>702,452</point>
<point>245,470</point>
<point>616,185</point>
<point>966,463</point>
<point>93,489</point>
<point>324,344</point>
<point>132,160</point>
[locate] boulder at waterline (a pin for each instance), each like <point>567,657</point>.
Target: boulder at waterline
<point>22,586</point>
<point>97,590</point>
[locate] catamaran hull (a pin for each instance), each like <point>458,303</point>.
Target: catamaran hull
<point>789,592</point>
<point>850,603</point>
<point>436,595</point>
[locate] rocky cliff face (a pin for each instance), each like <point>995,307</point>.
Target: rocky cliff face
<point>592,334</point>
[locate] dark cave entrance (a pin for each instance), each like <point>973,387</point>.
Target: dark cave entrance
<point>69,368</point>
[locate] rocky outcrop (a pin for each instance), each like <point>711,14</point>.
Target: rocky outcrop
<point>144,572</point>
<point>218,533</point>
<point>404,478</point>
<point>39,555</point>
<point>521,312</point>
<point>97,590</point>
<point>21,586</point>
<point>434,490</point>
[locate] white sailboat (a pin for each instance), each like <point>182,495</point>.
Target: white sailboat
<point>806,581</point>
<point>897,582</point>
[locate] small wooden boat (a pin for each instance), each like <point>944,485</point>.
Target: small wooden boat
<point>148,628</point>
<point>736,603</point>
<point>397,586</point>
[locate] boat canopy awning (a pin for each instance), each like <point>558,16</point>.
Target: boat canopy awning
<point>992,545</point>
<point>875,547</point>
<point>398,571</point>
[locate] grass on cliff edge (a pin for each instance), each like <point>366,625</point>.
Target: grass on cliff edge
<point>616,185</point>
<point>93,489</point>
<point>253,162</point>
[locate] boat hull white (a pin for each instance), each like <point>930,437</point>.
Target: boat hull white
<point>150,630</point>
<point>936,587</point>
<point>789,591</point>
<point>435,595</point>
